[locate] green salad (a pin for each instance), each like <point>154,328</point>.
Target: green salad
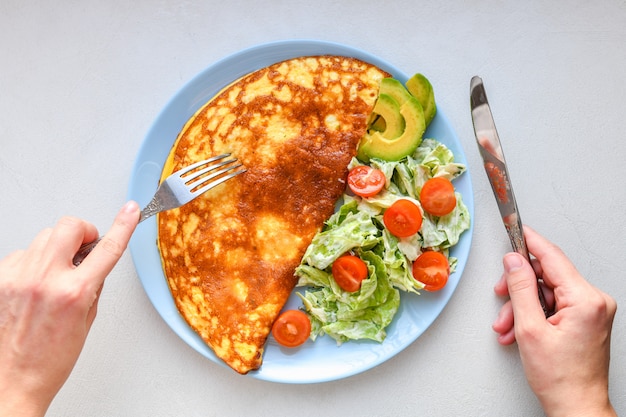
<point>358,228</point>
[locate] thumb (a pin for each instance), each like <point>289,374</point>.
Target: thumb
<point>522,284</point>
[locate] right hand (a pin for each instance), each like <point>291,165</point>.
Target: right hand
<point>565,357</point>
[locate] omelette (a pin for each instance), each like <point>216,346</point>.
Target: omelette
<point>229,256</point>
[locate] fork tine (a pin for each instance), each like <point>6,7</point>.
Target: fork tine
<point>219,180</point>
<point>192,185</point>
<point>201,172</point>
<point>191,167</point>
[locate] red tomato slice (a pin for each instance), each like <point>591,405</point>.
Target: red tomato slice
<point>366,181</point>
<point>432,269</point>
<point>292,328</point>
<point>437,196</point>
<point>349,271</point>
<point>403,218</point>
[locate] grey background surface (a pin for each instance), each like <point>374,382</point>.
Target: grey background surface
<point>82,82</point>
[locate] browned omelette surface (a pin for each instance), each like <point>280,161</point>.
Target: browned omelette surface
<point>229,256</point>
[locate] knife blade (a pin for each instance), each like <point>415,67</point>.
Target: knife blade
<point>495,166</point>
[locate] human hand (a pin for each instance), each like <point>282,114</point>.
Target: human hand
<point>566,356</point>
<point>47,306</point>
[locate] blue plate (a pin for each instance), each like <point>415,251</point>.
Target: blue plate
<point>316,361</point>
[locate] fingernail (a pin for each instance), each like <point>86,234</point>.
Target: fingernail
<point>512,262</point>
<point>130,207</point>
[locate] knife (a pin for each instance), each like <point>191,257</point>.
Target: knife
<point>495,167</point>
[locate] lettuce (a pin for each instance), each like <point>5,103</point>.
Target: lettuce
<point>348,228</point>
<point>343,316</point>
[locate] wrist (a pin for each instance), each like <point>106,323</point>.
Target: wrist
<point>589,408</point>
<point>17,405</point>
<point>592,412</point>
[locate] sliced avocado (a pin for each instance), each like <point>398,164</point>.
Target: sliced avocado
<point>395,89</point>
<point>389,110</point>
<point>375,145</point>
<point>419,86</point>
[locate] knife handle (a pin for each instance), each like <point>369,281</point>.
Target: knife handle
<point>516,235</point>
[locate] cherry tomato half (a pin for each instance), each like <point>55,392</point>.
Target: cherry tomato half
<point>403,218</point>
<point>349,271</point>
<point>366,181</point>
<point>432,269</point>
<point>437,196</point>
<point>292,328</point>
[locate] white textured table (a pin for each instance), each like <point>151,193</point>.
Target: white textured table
<point>81,83</point>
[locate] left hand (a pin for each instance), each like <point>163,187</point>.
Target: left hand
<point>47,306</point>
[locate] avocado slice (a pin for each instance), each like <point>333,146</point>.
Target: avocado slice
<point>419,86</point>
<point>395,89</point>
<point>375,145</point>
<point>389,110</point>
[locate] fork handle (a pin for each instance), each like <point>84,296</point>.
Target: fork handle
<point>153,207</point>
<point>84,250</point>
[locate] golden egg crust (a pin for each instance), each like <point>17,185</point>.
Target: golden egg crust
<point>229,256</point>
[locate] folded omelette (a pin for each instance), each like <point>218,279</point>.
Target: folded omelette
<point>229,256</point>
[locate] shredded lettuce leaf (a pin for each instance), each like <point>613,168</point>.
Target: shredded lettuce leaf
<point>348,228</point>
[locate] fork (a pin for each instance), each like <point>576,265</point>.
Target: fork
<point>180,188</point>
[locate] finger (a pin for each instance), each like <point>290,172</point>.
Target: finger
<point>39,243</point>
<point>501,288</point>
<point>109,250</point>
<point>522,284</point>
<point>508,337</point>
<point>548,295</point>
<point>66,237</point>
<point>556,268</point>
<point>504,322</point>
<point>537,267</point>
<point>91,234</point>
